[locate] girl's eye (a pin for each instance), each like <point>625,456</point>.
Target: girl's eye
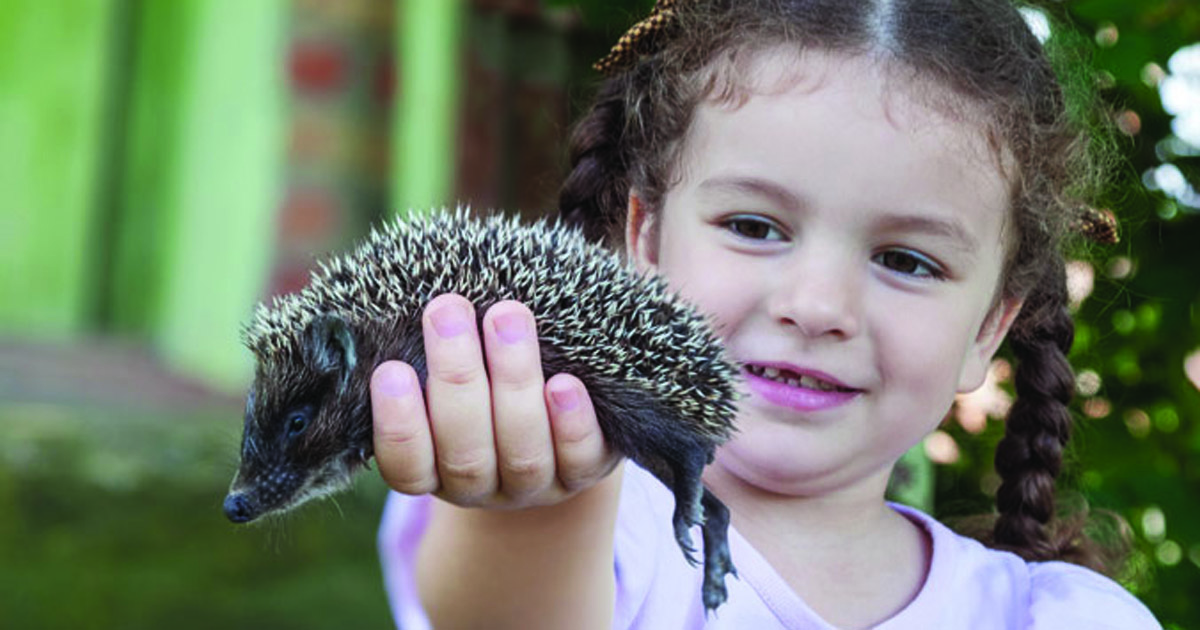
<point>753,228</point>
<point>910,263</point>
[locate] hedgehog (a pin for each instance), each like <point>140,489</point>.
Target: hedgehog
<point>663,390</point>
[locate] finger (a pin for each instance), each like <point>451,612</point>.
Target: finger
<point>525,452</point>
<point>403,442</point>
<point>581,453</point>
<point>459,401</point>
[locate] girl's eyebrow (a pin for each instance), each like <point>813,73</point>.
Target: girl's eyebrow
<point>754,185</point>
<point>948,228</point>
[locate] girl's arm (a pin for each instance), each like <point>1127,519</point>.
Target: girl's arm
<point>542,567</point>
<point>523,535</point>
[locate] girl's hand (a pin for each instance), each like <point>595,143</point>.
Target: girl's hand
<point>494,436</point>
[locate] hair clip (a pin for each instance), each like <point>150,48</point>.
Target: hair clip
<point>625,50</point>
<point>1098,225</point>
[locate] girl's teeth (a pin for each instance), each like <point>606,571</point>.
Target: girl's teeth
<point>812,383</point>
<point>808,382</point>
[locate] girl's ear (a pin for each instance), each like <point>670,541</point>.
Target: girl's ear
<point>640,243</point>
<point>980,352</point>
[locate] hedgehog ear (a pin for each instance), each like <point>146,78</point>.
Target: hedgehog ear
<point>329,347</point>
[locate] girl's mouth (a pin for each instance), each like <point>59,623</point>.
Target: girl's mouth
<point>805,392</point>
<point>788,377</point>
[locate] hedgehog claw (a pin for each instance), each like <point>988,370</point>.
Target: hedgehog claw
<point>717,563</point>
<point>683,537</point>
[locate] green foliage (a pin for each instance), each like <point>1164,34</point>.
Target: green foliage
<point>1137,437</point>
<point>609,16</point>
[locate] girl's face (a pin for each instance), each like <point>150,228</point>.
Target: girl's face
<point>848,242</point>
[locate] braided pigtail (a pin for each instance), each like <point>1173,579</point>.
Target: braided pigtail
<point>595,193</point>
<point>1029,457</point>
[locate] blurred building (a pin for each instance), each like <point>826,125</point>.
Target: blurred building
<point>168,165</point>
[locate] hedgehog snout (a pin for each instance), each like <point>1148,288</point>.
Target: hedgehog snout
<point>263,494</point>
<point>238,508</point>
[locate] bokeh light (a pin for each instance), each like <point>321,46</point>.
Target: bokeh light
<point>1191,367</point>
<point>1129,122</point>
<point>1138,422</point>
<point>1120,267</point>
<point>1153,74</point>
<point>1096,408</point>
<point>1166,419</point>
<point>941,448</point>
<point>1169,553</point>
<point>1081,281</point>
<point>1154,524</point>
<point>973,409</point>
<point>1038,23</point>
<point>1088,382</point>
<point>1107,35</point>
<point>1180,93</point>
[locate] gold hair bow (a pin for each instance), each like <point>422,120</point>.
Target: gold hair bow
<point>625,50</point>
<point>1098,225</point>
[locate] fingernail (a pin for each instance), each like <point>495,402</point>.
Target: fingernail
<point>450,320</point>
<point>565,398</point>
<point>511,327</point>
<point>393,381</point>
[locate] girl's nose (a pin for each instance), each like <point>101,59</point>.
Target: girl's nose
<point>819,299</point>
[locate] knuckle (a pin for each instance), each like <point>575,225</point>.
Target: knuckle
<point>525,380</point>
<point>457,374</point>
<point>468,470</point>
<point>392,435</point>
<point>412,482</point>
<point>526,471</point>
<point>574,438</point>
<point>586,472</point>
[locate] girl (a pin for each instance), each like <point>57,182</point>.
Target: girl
<point>867,198</point>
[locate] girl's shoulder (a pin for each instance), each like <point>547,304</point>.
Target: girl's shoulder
<point>968,586</point>
<point>966,577</point>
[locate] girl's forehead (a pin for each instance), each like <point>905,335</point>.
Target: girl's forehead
<point>882,85</point>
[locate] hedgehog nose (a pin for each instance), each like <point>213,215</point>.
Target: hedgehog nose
<point>237,508</point>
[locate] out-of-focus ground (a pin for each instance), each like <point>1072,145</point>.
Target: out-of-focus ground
<point>112,473</point>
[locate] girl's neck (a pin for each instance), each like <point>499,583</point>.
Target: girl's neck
<point>808,521</point>
<point>851,558</point>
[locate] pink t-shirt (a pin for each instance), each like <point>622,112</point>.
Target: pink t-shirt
<point>969,585</point>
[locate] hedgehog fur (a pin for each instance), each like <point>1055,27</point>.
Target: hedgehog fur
<point>663,390</point>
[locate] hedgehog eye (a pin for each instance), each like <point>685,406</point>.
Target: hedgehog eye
<point>297,422</point>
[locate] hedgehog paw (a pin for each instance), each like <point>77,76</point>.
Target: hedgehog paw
<point>717,563</point>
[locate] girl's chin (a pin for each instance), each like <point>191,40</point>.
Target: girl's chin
<point>791,461</point>
<point>773,469</point>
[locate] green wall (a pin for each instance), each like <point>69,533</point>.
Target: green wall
<point>224,186</point>
<point>141,152</point>
<point>425,120</point>
<point>52,76</point>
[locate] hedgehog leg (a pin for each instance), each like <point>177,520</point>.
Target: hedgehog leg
<point>688,489</point>
<point>717,563</point>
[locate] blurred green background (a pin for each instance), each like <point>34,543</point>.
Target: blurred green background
<point>165,164</point>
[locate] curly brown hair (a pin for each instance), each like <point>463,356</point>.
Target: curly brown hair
<point>991,67</point>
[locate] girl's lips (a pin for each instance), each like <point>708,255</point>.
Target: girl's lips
<point>798,397</point>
